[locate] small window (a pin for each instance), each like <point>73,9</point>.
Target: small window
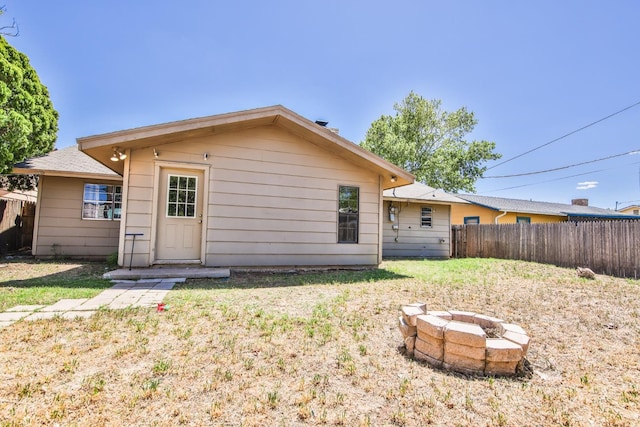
<point>472,220</point>
<point>348,214</point>
<point>181,197</point>
<point>426,217</point>
<point>102,201</point>
<point>523,220</point>
<point>636,211</point>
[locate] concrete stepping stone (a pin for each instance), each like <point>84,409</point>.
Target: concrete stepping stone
<point>13,316</point>
<point>25,308</point>
<point>43,315</point>
<point>64,305</point>
<point>70,315</point>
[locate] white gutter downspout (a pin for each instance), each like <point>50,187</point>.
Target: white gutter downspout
<point>500,216</point>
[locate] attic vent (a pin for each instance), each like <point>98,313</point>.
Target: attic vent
<point>580,202</point>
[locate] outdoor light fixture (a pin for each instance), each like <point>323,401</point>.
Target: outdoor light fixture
<point>117,155</point>
<point>155,154</point>
<point>393,178</point>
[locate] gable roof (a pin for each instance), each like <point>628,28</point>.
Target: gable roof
<point>421,193</point>
<point>65,162</point>
<point>101,147</point>
<point>540,208</point>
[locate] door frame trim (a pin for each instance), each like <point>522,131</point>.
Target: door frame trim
<point>205,169</point>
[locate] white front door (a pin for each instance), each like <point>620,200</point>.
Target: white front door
<point>179,225</point>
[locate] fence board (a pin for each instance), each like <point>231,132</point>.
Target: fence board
<point>607,247</point>
<point>15,233</point>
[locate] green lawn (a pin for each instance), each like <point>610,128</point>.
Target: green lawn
<point>31,282</point>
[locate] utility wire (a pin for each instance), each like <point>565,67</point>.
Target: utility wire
<point>563,167</point>
<point>542,182</point>
<point>554,180</point>
<point>564,136</point>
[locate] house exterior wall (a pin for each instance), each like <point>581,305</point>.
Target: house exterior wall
<point>631,210</point>
<point>412,240</point>
<point>487,216</point>
<point>272,200</point>
<point>60,230</point>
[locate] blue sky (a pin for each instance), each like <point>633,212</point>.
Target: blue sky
<point>530,71</point>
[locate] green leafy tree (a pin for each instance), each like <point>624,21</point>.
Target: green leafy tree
<point>430,143</point>
<point>28,121</point>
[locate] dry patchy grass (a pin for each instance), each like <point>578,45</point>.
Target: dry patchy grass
<point>324,349</point>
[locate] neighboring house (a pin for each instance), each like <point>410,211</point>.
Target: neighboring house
<point>631,210</point>
<point>263,187</point>
<point>499,210</point>
<point>417,221</point>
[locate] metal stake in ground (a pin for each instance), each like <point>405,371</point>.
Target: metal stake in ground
<point>133,243</point>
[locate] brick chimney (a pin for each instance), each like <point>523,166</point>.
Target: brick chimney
<point>580,202</point>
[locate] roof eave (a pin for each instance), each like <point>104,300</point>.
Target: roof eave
<point>606,216</point>
<point>66,174</point>
<point>423,201</point>
<point>100,147</point>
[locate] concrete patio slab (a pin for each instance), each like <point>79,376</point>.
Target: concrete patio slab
<point>167,273</point>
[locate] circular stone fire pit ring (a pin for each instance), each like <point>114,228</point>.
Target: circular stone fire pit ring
<point>463,341</point>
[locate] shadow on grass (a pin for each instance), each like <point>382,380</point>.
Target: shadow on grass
<point>27,272</point>
<point>253,280</point>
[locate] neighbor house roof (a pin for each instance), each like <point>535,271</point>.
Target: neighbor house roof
<point>540,208</point>
<point>419,192</point>
<point>65,162</point>
<point>629,208</point>
<point>101,147</point>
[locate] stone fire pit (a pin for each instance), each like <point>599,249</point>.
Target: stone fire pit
<point>463,341</point>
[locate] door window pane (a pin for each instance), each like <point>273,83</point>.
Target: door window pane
<point>181,197</point>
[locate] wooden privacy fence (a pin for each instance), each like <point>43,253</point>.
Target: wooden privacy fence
<point>16,224</point>
<point>607,247</point>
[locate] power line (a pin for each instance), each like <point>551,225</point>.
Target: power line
<point>542,182</point>
<point>563,167</point>
<point>564,136</point>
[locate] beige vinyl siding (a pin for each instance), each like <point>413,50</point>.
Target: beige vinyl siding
<point>273,200</point>
<point>139,206</point>
<point>413,240</point>
<point>61,230</point>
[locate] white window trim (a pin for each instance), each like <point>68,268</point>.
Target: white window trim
<point>113,202</point>
<point>422,216</point>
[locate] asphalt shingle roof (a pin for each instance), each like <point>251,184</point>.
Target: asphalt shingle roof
<point>422,192</point>
<point>66,160</point>
<point>542,208</point>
